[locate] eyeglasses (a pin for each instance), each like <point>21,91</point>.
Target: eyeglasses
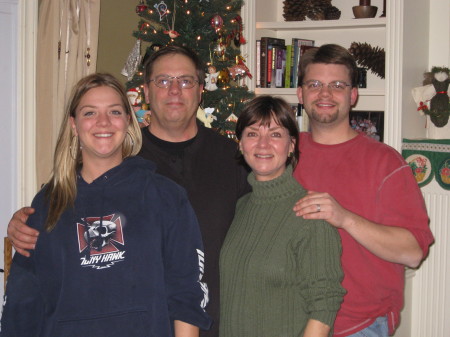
<point>186,82</point>
<point>335,86</point>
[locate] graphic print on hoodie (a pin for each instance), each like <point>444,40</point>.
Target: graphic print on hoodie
<point>101,238</point>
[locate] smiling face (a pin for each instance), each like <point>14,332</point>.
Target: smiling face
<point>101,124</point>
<point>265,149</point>
<point>173,107</point>
<point>326,106</point>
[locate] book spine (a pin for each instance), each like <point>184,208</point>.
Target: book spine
<point>258,63</point>
<point>294,63</point>
<point>269,66</point>
<point>273,68</point>
<point>288,72</point>
<point>280,64</point>
<point>297,46</point>
<point>263,65</point>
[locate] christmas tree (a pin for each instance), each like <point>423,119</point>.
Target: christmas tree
<point>213,28</point>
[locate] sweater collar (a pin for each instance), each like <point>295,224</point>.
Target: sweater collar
<point>280,187</point>
<point>194,143</point>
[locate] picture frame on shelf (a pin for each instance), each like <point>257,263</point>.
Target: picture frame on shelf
<point>301,117</point>
<point>370,122</point>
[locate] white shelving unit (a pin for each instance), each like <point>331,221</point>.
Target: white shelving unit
<point>398,33</point>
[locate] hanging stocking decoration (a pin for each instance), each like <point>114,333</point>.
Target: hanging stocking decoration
<point>133,61</point>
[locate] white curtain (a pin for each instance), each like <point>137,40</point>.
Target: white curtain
<point>67,41</point>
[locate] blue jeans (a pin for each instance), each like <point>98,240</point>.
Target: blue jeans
<point>379,328</point>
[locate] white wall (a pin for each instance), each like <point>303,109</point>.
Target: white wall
<point>439,33</point>
<point>8,114</point>
<point>439,53</point>
<point>18,22</point>
<point>430,302</point>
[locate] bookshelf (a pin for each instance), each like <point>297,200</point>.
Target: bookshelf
<point>322,25</point>
<point>398,33</point>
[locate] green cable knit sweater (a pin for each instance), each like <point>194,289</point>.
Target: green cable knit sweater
<point>277,270</point>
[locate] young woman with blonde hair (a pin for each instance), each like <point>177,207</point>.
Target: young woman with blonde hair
<point>119,251</point>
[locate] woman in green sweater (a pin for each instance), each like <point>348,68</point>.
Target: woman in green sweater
<point>280,274</point>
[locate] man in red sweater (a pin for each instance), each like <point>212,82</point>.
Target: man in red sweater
<point>362,187</point>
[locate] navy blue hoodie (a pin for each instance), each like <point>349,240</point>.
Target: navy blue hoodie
<point>127,260</point>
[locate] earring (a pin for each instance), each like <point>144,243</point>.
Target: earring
<point>73,149</point>
<point>291,154</point>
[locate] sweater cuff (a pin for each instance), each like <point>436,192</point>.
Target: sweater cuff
<point>326,317</point>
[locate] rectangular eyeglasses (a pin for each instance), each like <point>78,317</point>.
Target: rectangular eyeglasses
<point>163,81</point>
<point>335,86</point>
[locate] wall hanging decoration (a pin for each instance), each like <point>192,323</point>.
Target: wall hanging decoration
<point>432,98</point>
<point>428,159</point>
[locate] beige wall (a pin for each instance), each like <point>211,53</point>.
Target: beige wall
<point>118,20</point>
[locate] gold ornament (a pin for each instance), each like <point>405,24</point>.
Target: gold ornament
<point>224,76</point>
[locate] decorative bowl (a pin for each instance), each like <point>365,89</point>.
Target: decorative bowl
<point>361,12</point>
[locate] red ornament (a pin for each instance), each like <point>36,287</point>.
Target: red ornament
<point>141,7</point>
<point>172,33</point>
<point>240,62</point>
<point>237,70</point>
<point>216,22</point>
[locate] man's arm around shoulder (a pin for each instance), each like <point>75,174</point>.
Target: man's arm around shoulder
<point>22,237</point>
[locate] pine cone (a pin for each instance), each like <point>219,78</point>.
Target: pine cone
<point>369,57</point>
<point>318,8</point>
<point>295,10</point>
<point>299,10</point>
<point>332,13</point>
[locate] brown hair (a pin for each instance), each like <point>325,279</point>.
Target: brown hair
<point>61,188</point>
<point>174,50</point>
<point>261,110</point>
<point>328,54</point>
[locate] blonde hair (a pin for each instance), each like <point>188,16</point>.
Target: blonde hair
<point>62,186</point>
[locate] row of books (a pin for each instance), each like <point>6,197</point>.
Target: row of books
<point>277,62</point>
